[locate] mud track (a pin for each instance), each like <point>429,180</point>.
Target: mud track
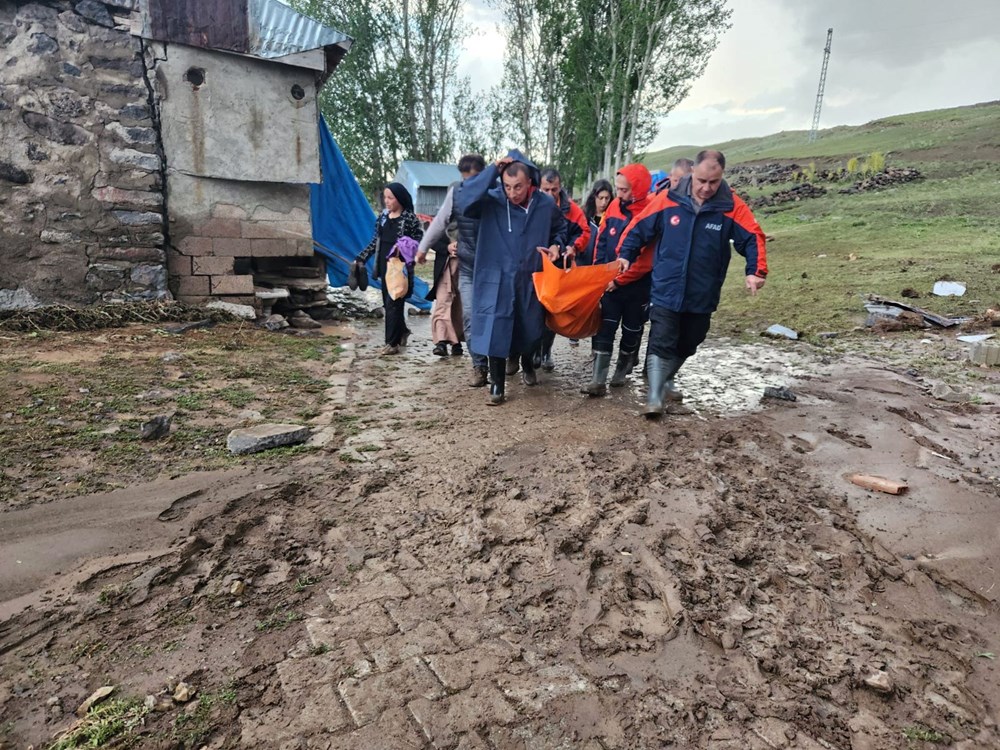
<point>558,573</point>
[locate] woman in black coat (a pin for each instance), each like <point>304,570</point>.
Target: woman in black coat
<point>396,220</point>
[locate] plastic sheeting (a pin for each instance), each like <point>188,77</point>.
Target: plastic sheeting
<point>342,221</point>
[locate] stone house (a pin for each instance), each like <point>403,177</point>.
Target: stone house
<point>157,148</point>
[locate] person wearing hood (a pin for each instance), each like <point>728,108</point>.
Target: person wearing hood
<point>577,235</point>
<point>397,220</point>
<point>627,298</point>
<point>691,228</point>
<point>517,222</point>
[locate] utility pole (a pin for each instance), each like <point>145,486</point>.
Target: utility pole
<point>822,85</point>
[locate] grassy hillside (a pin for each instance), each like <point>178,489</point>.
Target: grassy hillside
<point>827,253</point>
<point>973,131</point>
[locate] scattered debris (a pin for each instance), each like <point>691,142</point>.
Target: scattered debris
<point>300,319</point>
<point>237,588</point>
<point>275,322</point>
<point>156,428</point>
<point>184,692</point>
<point>910,293</point>
<point>264,437</point>
<point>938,320</point>
<point>948,289</point>
<point>66,318</point>
<point>880,484</point>
<point>976,338</point>
<point>779,331</point>
<point>828,334</point>
<point>797,193</point>
<point>879,681</point>
<point>96,697</point>
<point>779,393</point>
<point>179,328</point>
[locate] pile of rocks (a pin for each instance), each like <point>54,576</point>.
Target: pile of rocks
<point>797,193</point>
<point>886,178</point>
<point>761,174</point>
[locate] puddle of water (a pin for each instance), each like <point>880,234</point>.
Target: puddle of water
<point>723,378</point>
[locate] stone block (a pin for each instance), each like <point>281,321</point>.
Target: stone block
<point>193,245</point>
<point>118,197</point>
<point>427,638</point>
<point>232,284</point>
<point>105,277</point>
<point>273,248</point>
<point>179,265</point>
<point>193,286</point>
<point>56,237</point>
<point>306,249</point>
<point>65,133</point>
<point>364,622</point>
<point>443,720</point>
<point>233,247</point>
<point>150,275</point>
<point>985,354</point>
<point>384,586</point>
<point>17,299</point>
<point>459,670</point>
<point>138,218</point>
<point>228,211</point>
<point>133,255</point>
<point>219,228</point>
<point>264,437</point>
<point>369,698</point>
<point>246,312</point>
<point>129,157</point>
<point>10,173</point>
<point>132,136</point>
<point>292,230</point>
<point>95,12</point>
<point>394,730</point>
<point>210,265</point>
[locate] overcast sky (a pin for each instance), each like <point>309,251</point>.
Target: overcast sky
<point>888,57</point>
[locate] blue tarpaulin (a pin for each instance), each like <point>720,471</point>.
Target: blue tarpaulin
<point>342,221</point>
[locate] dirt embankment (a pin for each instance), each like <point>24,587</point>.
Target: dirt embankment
<point>558,573</point>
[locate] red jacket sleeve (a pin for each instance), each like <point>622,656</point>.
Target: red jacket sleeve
<point>578,217</point>
<point>748,238</point>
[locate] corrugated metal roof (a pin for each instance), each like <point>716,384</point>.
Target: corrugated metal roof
<point>263,28</point>
<point>277,30</point>
<point>415,174</point>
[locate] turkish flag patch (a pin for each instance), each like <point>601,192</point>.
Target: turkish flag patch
<point>614,231</point>
<point>675,220</point>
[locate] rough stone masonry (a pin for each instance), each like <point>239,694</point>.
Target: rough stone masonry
<point>81,184</point>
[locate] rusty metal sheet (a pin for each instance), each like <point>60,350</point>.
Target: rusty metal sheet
<point>209,24</point>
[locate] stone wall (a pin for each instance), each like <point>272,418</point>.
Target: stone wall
<point>81,186</point>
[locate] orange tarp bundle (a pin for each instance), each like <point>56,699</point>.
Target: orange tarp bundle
<point>572,298</point>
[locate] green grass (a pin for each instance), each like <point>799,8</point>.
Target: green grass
<point>923,734</point>
<point>970,129</point>
<point>945,226</point>
<point>113,720</point>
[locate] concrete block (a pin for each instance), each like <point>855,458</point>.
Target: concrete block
<point>210,265</point>
<point>193,286</point>
<point>231,284</point>
<point>220,228</point>
<point>227,211</point>
<point>264,437</point>
<point>179,265</point>
<point>985,354</point>
<point>273,248</point>
<point>193,245</point>
<point>292,230</point>
<point>233,247</point>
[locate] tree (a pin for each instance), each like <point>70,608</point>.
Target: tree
<point>590,78</point>
<point>393,95</point>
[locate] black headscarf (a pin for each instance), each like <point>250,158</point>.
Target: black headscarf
<point>401,194</point>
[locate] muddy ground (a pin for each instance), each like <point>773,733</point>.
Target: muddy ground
<point>555,573</point>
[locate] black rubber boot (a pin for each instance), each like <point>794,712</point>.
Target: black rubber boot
<point>597,386</point>
<point>498,377</point>
<point>622,368</point>
<point>528,374</point>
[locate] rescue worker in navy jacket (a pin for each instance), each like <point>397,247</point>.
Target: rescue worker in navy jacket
<point>691,226</point>
<point>516,222</point>
<point>627,298</point>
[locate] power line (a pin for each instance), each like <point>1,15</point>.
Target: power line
<point>813,131</point>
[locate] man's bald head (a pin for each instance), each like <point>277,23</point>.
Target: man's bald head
<point>706,177</point>
<point>681,167</point>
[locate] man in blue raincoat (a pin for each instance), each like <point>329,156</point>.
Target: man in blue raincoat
<point>517,222</point>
